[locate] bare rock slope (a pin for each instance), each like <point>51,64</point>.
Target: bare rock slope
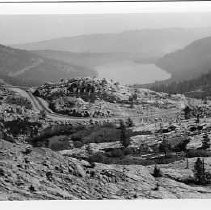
<point>38,173</point>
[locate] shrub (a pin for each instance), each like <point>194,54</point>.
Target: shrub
<point>156,172</point>
<point>156,187</point>
<point>164,147</point>
<point>130,150</point>
<point>32,189</point>
<point>2,172</point>
<point>102,134</point>
<point>27,151</point>
<point>78,144</point>
<point>116,153</point>
<point>57,146</point>
<point>76,137</point>
<point>129,122</point>
<point>142,132</point>
<point>24,127</point>
<point>187,112</point>
<point>198,153</point>
<point>19,100</point>
<point>49,175</point>
<point>98,157</point>
<point>109,125</point>
<point>181,146</point>
<point>90,154</point>
<point>42,114</point>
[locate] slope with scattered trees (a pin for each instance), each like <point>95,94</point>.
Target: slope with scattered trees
<point>199,87</point>
<point>21,67</point>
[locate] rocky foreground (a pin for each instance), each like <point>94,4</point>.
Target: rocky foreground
<point>39,173</point>
<point>41,158</point>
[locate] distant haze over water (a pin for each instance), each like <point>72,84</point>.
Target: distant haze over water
<point>129,72</point>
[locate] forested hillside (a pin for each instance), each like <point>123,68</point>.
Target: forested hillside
<point>199,87</point>
<point>190,62</point>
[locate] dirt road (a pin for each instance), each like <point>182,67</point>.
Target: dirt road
<point>40,105</point>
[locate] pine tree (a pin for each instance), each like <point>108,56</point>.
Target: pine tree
<point>156,172</point>
<point>164,147</point>
<point>131,101</point>
<point>199,171</point>
<point>187,163</point>
<point>197,118</point>
<point>123,134</point>
<point>205,142</point>
<point>42,114</point>
<point>90,156</point>
<point>187,111</point>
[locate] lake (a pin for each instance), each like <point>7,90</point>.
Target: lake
<point>129,72</point>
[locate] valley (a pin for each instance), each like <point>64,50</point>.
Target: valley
<point>123,115</point>
<point>69,153</point>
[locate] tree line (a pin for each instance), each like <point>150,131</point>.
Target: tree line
<point>199,87</point>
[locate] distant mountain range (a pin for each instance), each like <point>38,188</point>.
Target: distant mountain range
<point>22,67</point>
<point>190,62</point>
<point>35,63</point>
<point>142,43</point>
<point>92,60</point>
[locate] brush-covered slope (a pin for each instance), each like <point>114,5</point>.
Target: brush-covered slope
<point>25,68</point>
<point>190,62</point>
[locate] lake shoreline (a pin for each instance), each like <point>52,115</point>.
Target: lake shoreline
<point>130,72</point>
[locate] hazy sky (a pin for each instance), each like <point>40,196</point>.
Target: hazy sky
<point>28,28</point>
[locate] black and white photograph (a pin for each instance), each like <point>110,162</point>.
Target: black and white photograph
<point>105,101</point>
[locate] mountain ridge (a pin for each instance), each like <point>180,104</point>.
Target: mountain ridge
<point>21,67</point>
<point>149,42</point>
<point>190,62</point>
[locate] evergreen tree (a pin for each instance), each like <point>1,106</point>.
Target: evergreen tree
<point>90,156</point>
<point>197,118</point>
<point>131,101</point>
<point>42,114</point>
<point>156,172</point>
<point>199,171</point>
<point>205,142</point>
<point>164,147</point>
<point>187,111</point>
<point>123,134</point>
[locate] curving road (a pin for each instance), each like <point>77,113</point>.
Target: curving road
<point>39,104</point>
